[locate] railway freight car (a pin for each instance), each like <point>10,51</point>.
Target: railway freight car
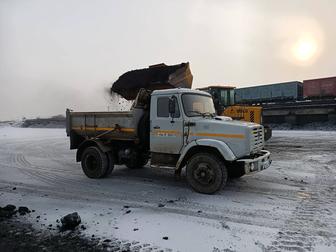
<point>319,88</point>
<point>286,91</point>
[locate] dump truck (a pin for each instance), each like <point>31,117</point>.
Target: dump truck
<point>174,128</point>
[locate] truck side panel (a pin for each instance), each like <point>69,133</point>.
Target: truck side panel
<point>112,125</point>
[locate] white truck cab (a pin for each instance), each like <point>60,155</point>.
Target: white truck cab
<point>183,123</point>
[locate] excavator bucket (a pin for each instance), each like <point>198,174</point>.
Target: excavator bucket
<point>154,77</point>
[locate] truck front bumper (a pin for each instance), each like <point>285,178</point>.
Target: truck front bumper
<point>259,162</point>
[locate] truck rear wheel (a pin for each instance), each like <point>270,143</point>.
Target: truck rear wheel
<point>94,162</point>
<point>110,166</point>
<point>206,173</point>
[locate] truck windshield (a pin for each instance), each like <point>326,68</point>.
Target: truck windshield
<point>198,105</point>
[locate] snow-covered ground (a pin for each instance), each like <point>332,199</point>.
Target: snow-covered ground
<point>290,206</point>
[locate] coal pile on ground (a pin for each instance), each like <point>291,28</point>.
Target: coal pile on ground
<point>7,211</point>
<point>323,126</point>
<point>52,122</point>
<point>18,236</point>
<point>70,221</point>
<point>154,77</point>
<point>7,123</point>
<point>23,210</point>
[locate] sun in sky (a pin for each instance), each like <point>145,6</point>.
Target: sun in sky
<point>304,49</point>
<point>301,38</point>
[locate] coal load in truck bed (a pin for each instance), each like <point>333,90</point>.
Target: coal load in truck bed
<point>154,77</point>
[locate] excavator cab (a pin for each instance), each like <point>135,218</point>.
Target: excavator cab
<point>223,97</point>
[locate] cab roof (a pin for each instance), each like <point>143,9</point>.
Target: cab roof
<point>173,91</point>
<point>217,86</point>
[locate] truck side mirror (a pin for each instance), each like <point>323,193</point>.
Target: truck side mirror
<point>171,106</point>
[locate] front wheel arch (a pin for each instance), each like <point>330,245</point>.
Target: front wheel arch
<point>199,149</point>
<point>205,145</point>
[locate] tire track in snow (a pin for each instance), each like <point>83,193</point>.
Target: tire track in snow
<point>40,173</point>
<point>309,221</point>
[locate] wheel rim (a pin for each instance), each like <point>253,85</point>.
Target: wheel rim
<point>91,162</point>
<point>204,174</point>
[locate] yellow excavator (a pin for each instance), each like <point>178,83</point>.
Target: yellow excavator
<point>224,101</point>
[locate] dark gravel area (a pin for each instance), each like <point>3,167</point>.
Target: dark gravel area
<point>18,236</point>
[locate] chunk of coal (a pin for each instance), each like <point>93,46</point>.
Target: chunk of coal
<point>23,210</point>
<point>10,208</point>
<point>165,237</point>
<point>128,211</point>
<point>161,205</point>
<point>7,212</point>
<point>70,221</point>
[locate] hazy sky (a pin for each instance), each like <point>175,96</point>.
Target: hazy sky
<point>66,53</point>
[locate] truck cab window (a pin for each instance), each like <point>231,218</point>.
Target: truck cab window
<point>197,105</point>
<point>163,107</point>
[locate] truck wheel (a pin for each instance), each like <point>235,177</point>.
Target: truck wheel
<point>206,173</point>
<point>110,163</point>
<point>94,162</point>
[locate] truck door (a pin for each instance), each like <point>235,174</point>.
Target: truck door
<point>166,130</point>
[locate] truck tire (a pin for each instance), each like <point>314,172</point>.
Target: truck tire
<point>143,131</point>
<point>110,166</point>
<point>94,162</point>
<point>206,173</point>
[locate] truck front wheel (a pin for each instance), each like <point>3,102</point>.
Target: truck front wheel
<point>94,162</point>
<point>206,173</point>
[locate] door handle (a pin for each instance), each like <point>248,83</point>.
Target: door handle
<point>156,127</point>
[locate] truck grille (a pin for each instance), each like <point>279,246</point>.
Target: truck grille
<point>257,141</point>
